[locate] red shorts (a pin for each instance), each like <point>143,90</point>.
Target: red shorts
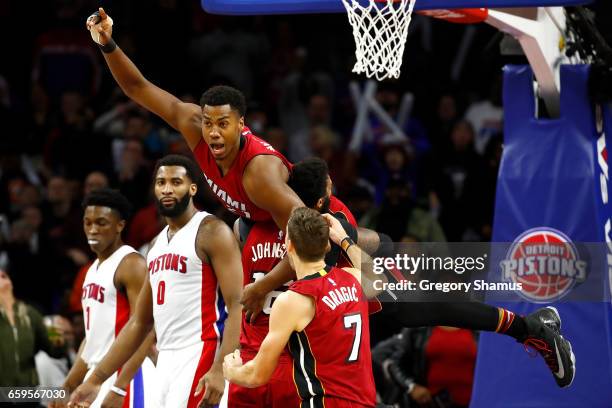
<point>279,392</point>
<point>331,402</point>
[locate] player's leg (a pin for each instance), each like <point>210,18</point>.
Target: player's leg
<point>540,330</point>
<point>188,366</point>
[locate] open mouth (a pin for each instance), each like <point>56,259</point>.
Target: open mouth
<point>217,148</point>
<point>92,241</point>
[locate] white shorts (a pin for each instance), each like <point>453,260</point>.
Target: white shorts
<point>140,391</point>
<point>179,371</point>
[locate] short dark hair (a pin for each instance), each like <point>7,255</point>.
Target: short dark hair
<point>106,197</point>
<point>309,233</point>
<point>224,95</point>
<point>192,169</point>
<point>309,180</point>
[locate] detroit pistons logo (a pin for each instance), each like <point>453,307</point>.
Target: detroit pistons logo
<point>547,264</point>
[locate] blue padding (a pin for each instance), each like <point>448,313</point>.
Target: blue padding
<point>549,178</point>
<point>138,390</point>
<point>250,7</point>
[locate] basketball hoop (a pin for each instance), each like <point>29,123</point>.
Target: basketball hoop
<point>380,29</point>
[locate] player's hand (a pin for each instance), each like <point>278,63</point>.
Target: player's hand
<point>84,395</point>
<point>213,383</point>
<point>420,395</point>
<point>252,301</point>
<point>231,362</point>
<point>57,404</point>
<point>112,400</point>
<point>336,231</point>
<point>102,26</point>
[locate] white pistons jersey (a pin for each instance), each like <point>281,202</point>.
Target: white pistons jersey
<point>105,310</point>
<point>187,304</point>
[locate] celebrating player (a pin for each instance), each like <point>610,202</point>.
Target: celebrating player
<point>245,173</point>
<point>109,296</point>
<point>194,272</point>
<point>540,330</point>
<point>326,305</point>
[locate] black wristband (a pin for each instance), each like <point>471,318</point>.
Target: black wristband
<point>347,245</point>
<point>109,47</point>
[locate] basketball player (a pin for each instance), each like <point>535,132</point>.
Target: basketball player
<point>244,172</point>
<point>540,330</point>
<point>194,268</point>
<point>263,247</point>
<point>109,296</point>
<point>247,175</point>
<point>323,317</point>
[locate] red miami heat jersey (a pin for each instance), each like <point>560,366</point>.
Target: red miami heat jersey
<point>229,188</point>
<point>341,211</point>
<point>338,208</point>
<point>263,249</point>
<point>331,356</point>
<point>187,302</point>
<point>105,309</point>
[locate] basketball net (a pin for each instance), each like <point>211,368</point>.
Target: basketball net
<point>380,29</point>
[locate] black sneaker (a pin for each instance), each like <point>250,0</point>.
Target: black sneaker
<point>556,351</point>
<point>549,316</point>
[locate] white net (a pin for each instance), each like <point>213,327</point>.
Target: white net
<point>380,29</point>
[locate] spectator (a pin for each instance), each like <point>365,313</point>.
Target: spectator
<point>277,138</point>
<point>449,176</point>
<point>71,137</point>
<point>398,216</point>
<point>486,117</point>
<point>94,181</point>
<point>318,115</point>
<point>62,230</point>
<point>431,366</point>
<point>52,371</point>
<point>447,114</point>
<point>396,164</point>
<point>134,173</point>
<point>23,334</point>
<point>64,56</point>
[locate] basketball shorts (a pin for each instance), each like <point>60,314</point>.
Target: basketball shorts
<point>139,392</point>
<point>179,371</point>
<point>280,392</point>
<point>331,402</point>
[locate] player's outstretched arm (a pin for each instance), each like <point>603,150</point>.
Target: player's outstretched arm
<point>361,261</point>
<point>184,117</point>
<point>265,182</point>
<point>216,243</point>
<point>124,346</point>
<point>290,312</point>
<point>130,277</point>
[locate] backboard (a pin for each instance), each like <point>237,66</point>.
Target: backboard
<point>253,7</point>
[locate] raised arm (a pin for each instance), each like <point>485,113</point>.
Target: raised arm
<point>217,243</point>
<point>290,312</point>
<point>184,117</point>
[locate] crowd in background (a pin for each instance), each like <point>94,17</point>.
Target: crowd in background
<point>67,128</point>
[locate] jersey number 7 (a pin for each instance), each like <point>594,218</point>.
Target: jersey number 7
<point>350,321</point>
